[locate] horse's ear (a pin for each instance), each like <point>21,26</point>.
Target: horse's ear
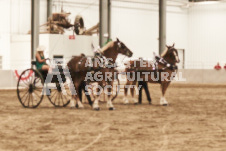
<point>173,44</point>
<point>117,40</point>
<point>167,46</point>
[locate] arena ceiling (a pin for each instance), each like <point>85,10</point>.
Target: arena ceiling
<point>175,3</point>
<point>202,0</point>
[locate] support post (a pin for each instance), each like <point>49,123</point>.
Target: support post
<point>105,21</point>
<point>162,25</point>
<point>35,5</point>
<point>49,8</point>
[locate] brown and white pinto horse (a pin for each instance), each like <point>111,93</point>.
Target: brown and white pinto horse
<point>79,70</point>
<point>161,72</point>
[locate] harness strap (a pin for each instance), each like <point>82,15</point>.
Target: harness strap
<point>163,61</point>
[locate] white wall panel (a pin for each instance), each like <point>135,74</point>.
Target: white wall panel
<point>138,27</point>
<point>55,45</point>
<point>20,52</point>
<point>207,30</point>
<point>200,30</point>
<point>5,16</point>
<point>177,28</point>
<point>5,50</point>
<point>21,15</point>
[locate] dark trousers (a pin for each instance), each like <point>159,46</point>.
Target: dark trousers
<point>83,87</point>
<point>144,85</point>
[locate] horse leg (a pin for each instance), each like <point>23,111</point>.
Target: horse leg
<point>96,101</point>
<point>87,94</point>
<point>109,102</point>
<point>78,97</point>
<point>80,92</point>
<point>72,102</point>
<point>132,89</point>
<point>164,86</point>
<point>126,87</point>
<point>73,93</point>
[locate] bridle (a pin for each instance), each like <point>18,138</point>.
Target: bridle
<point>166,64</point>
<point>119,46</point>
<point>105,61</point>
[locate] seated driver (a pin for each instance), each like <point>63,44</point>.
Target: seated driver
<point>40,59</point>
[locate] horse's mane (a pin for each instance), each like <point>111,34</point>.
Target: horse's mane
<point>164,52</point>
<point>108,45</point>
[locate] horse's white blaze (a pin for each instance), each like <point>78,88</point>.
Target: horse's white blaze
<point>177,58</point>
<point>164,52</point>
<point>96,102</point>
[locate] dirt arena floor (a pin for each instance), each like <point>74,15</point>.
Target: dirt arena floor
<point>195,120</point>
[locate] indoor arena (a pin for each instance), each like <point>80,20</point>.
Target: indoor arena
<point>104,75</point>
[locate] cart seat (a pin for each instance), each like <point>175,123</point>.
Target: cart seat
<point>33,62</point>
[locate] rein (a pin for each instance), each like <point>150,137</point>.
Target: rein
<point>155,67</point>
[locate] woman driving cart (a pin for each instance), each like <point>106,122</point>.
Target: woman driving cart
<point>40,59</point>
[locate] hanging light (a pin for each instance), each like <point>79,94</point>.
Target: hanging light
<point>203,2</point>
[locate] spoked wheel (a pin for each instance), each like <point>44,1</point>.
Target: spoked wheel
<point>30,89</point>
<point>60,95</point>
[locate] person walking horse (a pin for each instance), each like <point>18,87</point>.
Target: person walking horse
<point>143,85</point>
<point>166,64</point>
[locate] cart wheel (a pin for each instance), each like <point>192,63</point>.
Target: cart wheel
<point>30,89</point>
<point>60,95</point>
<point>79,25</point>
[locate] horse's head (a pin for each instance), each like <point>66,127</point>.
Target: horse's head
<point>171,55</point>
<point>122,48</point>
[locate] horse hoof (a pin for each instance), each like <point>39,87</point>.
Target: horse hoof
<point>136,103</point>
<point>111,108</point>
<point>72,107</point>
<point>150,103</point>
<point>126,102</point>
<point>165,105</point>
<point>97,109</point>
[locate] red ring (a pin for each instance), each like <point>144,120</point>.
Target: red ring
<point>24,78</point>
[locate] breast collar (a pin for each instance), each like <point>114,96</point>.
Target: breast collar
<point>105,63</point>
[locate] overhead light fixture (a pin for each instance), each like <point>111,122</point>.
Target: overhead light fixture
<point>204,2</point>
